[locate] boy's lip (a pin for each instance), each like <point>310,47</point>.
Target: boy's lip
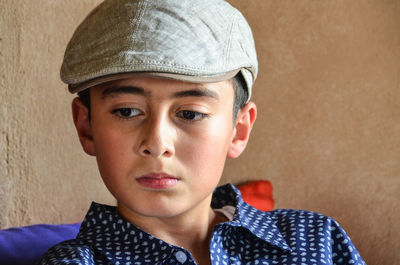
<point>159,181</point>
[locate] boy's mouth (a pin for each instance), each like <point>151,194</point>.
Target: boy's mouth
<point>157,181</point>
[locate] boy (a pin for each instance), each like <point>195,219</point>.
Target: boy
<point>164,89</point>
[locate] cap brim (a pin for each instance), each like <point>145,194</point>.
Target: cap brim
<point>74,88</point>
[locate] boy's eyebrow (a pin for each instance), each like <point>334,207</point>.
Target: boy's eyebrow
<point>112,91</point>
<point>196,92</point>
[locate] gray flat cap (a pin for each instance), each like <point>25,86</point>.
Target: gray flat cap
<point>189,40</point>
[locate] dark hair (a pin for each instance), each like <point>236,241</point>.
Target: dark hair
<point>239,86</point>
<point>241,94</point>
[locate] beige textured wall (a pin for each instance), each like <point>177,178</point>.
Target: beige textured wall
<point>44,175</point>
<point>328,131</point>
<point>327,135</point>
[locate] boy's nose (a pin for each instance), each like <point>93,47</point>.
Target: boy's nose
<point>158,138</point>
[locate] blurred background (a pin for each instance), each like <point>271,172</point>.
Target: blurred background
<point>327,134</point>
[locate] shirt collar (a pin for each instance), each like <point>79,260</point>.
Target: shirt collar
<point>103,223</point>
<point>260,224</point>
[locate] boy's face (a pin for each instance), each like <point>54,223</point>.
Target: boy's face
<point>161,144</point>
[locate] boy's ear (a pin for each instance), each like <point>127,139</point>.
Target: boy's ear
<point>80,115</point>
<point>244,123</point>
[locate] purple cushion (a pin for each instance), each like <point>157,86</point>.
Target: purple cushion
<point>25,245</point>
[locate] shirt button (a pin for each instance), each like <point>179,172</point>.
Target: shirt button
<point>181,256</point>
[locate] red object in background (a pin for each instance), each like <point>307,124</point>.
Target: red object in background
<point>258,194</point>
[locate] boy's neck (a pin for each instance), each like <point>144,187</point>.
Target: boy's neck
<point>194,236</point>
<point>191,230</point>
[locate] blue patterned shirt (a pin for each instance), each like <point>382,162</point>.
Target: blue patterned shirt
<point>250,237</point>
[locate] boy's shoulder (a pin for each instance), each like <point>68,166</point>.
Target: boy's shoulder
<point>73,251</point>
<point>297,224</point>
<point>306,235</point>
<point>313,234</point>
<point>298,216</point>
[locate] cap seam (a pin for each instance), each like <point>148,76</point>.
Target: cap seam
<point>76,80</point>
<point>228,50</point>
<point>142,7</point>
<point>156,63</point>
<point>161,66</point>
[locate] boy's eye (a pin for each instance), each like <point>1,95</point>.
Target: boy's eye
<point>191,115</point>
<point>126,112</point>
